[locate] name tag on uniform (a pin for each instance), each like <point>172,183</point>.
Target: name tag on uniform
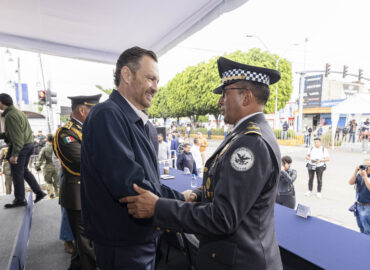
<point>303,211</point>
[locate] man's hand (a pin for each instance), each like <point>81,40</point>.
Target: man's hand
<point>1,173</point>
<point>189,195</point>
<point>363,174</point>
<point>13,160</point>
<point>142,205</point>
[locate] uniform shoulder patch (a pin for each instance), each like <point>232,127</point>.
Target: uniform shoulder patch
<point>242,159</point>
<point>68,139</point>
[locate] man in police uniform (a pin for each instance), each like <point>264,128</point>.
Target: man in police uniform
<point>67,147</point>
<point>233,212</point>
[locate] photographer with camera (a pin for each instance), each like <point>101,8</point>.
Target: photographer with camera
<point>360,178</point>
<point>286,193</point>
<point>316,156</point>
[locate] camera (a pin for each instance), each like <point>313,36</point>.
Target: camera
<point>363,167</point>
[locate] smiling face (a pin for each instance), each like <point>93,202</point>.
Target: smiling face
<point>143,84</point>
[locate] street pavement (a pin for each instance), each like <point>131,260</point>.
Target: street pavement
<point>337,194</point>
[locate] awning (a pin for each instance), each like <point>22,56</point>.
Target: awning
<point>316,110</point>
<point>33,115</point>
<point>101,30</point>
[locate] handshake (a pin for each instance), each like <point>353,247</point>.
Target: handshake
<point>189,195</point>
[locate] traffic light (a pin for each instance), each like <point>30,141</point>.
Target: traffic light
<point>51,97</point>
<point>360,74</point>
<point>327,70</point>
<point>345,71</point>
<point>42,97</point>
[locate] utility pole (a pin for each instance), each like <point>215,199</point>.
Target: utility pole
<point>20,94</point>
<point>300,103</point>
<point>301,87</point>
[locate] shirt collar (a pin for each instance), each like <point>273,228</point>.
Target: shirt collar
<point>245,118</point>
<point>77,121</point>
<point>139,113</point>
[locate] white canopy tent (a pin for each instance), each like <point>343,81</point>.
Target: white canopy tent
<point>358,104</point>
<point>101,30</point>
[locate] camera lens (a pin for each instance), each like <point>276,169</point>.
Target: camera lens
<point>363,167</point>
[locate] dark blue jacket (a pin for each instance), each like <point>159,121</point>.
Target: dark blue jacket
<point>186,160</point>
<point>174,145</point>
<point>116,152</point>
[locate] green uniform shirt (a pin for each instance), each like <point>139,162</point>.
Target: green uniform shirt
<point>17,130</point>
<point>46,155</point>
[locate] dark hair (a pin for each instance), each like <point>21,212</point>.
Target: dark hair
<point>50,138</point>
<point>196,140</point>
<point>317,139</point>
<point>286,159</point>
<point>259,90</point>
<point>187,144</point>
<point>6,99</point>
<point>131,58</point>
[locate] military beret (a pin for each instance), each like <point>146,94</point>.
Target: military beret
<point>232,72</point>
<point>85,100</point>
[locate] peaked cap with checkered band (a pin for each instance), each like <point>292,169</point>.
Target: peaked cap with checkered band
<point>232,72</point>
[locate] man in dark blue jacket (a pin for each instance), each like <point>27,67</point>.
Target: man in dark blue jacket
<point>117,152</point>
<point>186,160</point>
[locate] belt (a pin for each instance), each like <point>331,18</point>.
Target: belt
<point>363,204</point>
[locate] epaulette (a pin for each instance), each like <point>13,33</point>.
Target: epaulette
<point>252,128</point>
<point>68,125</point>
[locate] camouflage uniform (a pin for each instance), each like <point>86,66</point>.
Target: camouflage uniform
<point>5,169</point>
<point>50,171</point>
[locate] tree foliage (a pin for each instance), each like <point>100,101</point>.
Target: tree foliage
<point>108,91</point>
<point>189,93</point>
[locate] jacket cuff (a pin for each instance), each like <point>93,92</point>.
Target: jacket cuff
<point>162,214</point>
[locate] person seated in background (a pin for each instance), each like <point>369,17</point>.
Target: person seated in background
<point>286,192</point>
<point>186,160</point>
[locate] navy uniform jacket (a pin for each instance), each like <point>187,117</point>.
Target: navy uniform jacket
<point>117,152</point>
<point>234,215</point>
<point>67,147</point>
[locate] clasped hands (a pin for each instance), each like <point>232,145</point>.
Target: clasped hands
<point>143,204</point>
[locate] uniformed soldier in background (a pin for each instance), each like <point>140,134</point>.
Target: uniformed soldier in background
<point>233,212</point>
<point>50,171</point>
<point>5,170</point>
<point>67,147</point>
